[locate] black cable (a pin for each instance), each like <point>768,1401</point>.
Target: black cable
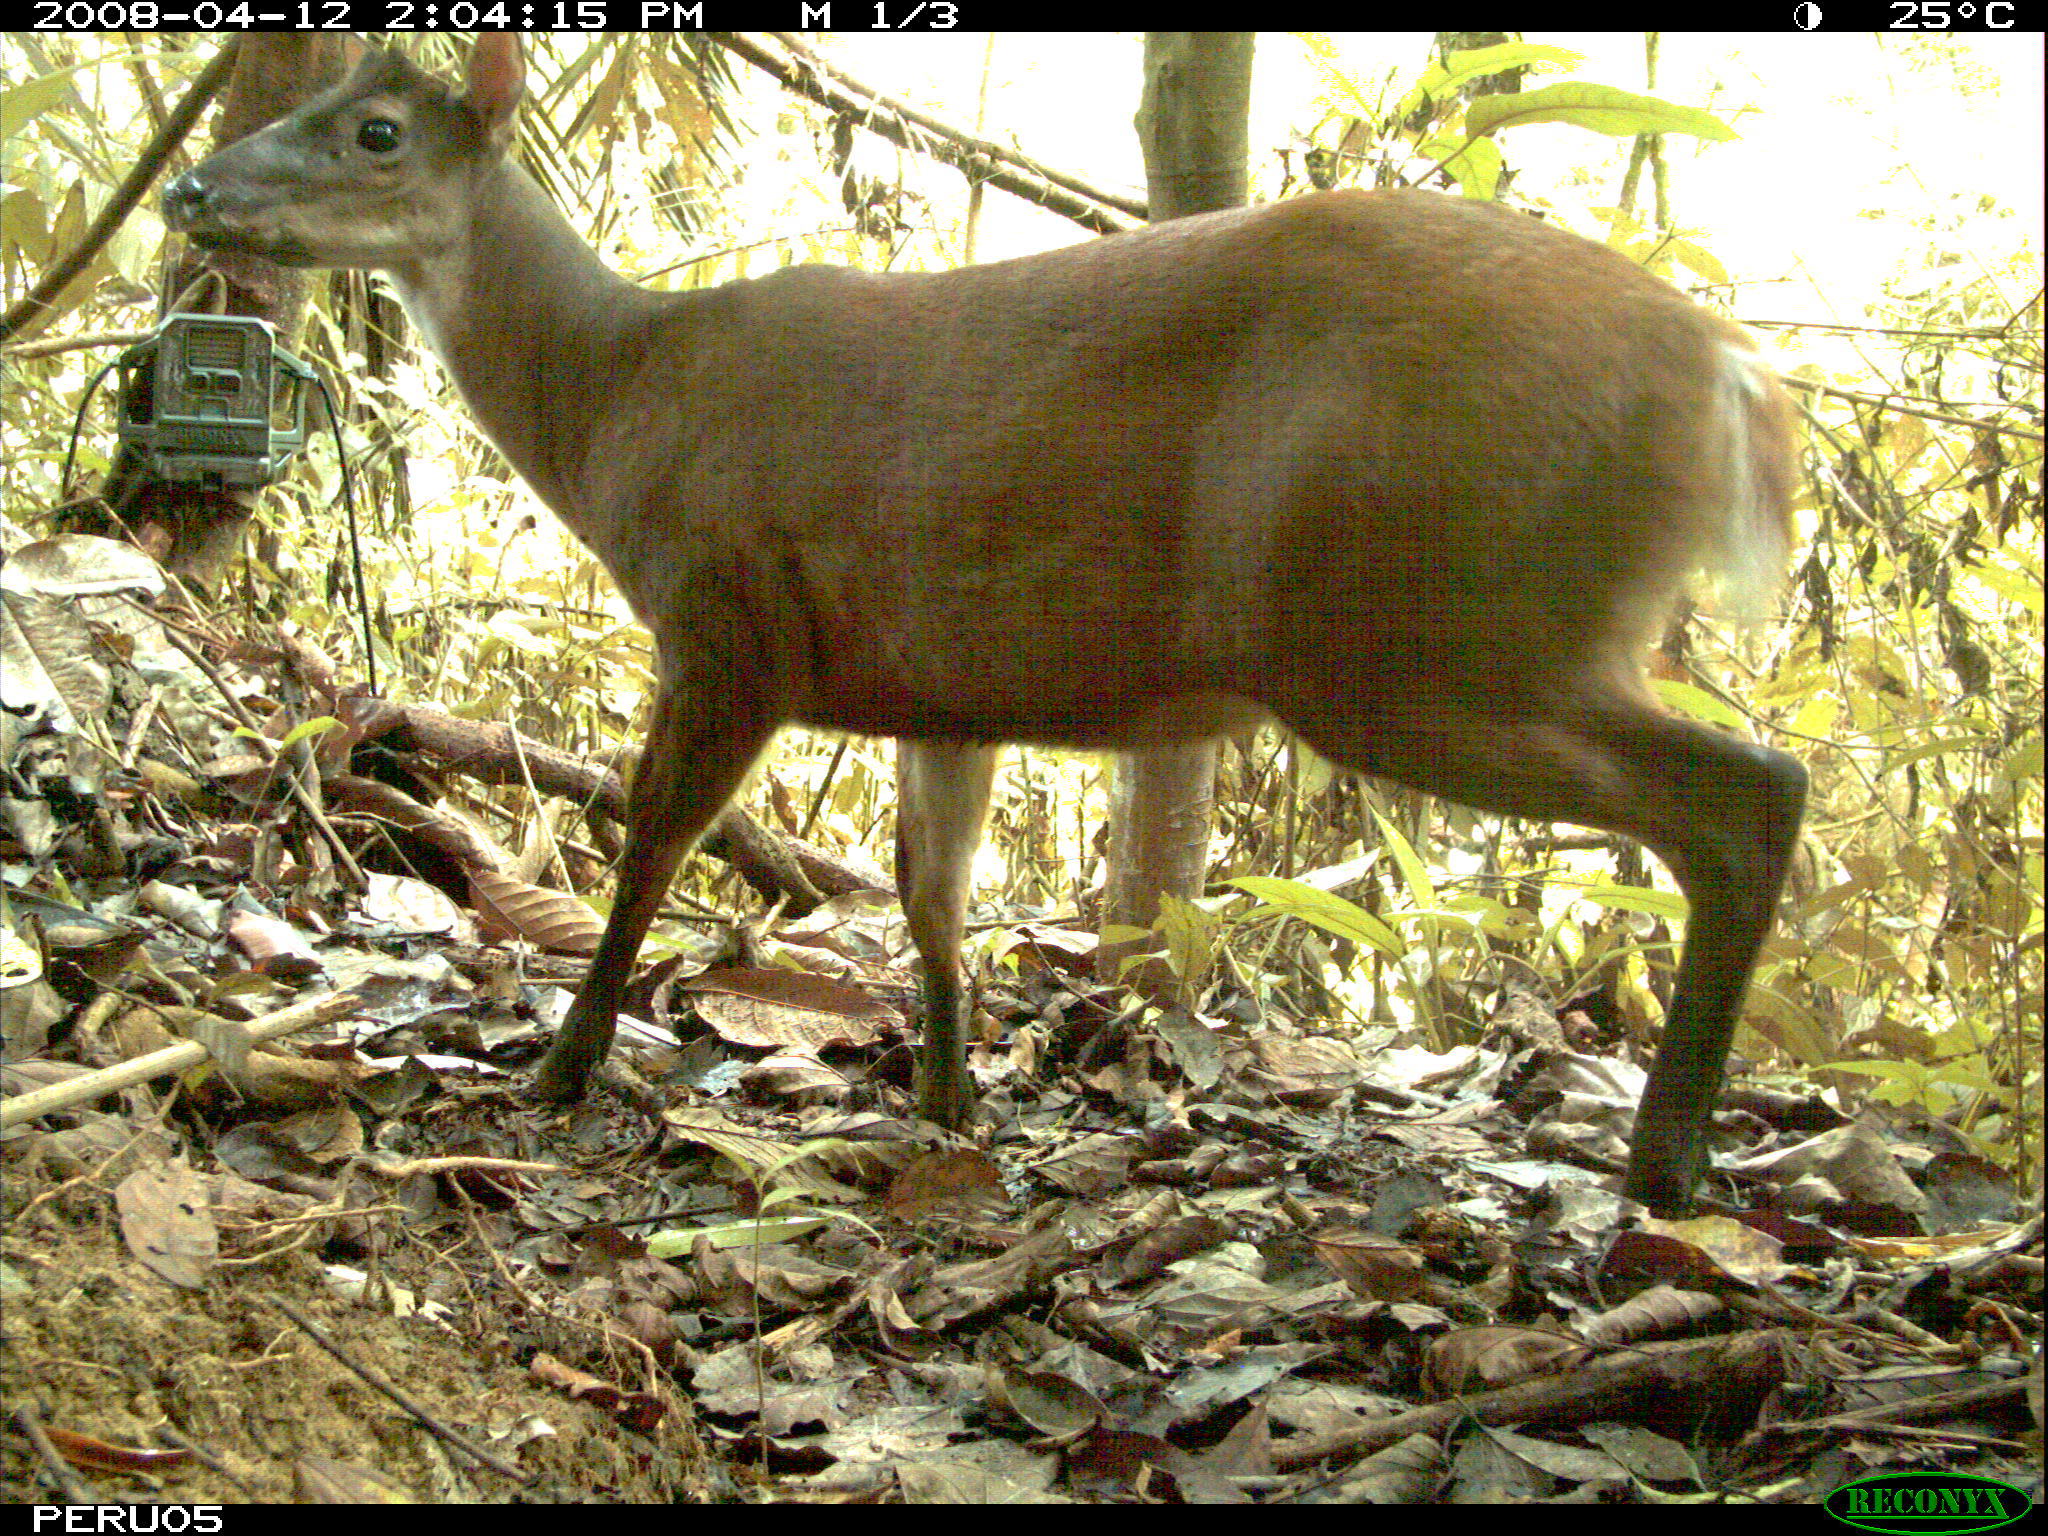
<point>355,548</point>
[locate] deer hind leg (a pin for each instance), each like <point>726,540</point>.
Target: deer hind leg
<point>941,801</point>
<point>1721,813</point>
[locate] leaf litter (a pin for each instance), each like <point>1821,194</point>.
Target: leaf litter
<point>281,1226</point>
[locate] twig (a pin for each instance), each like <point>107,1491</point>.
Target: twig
<point>909,130</point>
<point>398,1171</point>
<point>428,1422</point>
<point>172,1058</point>
<point>971,143</point>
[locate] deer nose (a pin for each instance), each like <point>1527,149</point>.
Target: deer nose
<point>183,199</point>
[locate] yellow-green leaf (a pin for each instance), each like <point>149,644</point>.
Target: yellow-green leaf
<point>1332,914</point>
<point>1596,108</point>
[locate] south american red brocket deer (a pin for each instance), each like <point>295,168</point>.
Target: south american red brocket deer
<point>1418,476</point>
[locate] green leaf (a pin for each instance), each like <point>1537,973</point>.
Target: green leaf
<point>1472,63</point>
<point>521,633</point>
<point>1191,935</point>
<point>1687,699</point>
<point>1637,898</point>
<point>1413,870</point>
<point>1475,164</point>
<point>320,725</point>
<point>1596,108</point>
<point>1332,914</point>
<point>675,1242</point>
<point>1697,259</point>
<point>2022,765</point>
<point>2014,586</point>
<point>1939,746</point>
<point>1495,919</point>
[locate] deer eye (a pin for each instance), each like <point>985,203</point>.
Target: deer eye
<point>379,135</point>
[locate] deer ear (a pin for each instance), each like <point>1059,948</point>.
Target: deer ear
<point>497,79</point>
<point>352,52</point>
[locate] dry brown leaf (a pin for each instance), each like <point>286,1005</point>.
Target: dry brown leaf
<point>1094,1165</point>
<point>409,904</point>
<point>1306,1071</point>
<point>788,1009</point>
<point>638,1411</point>
<point>1376,1268</point>
<point>168,1224</point>
<point>1479,1359</point>
<point>950,1178</point>
<point>550,920</point>
<point>275,948</point>
<point>1181,1237</point>
<point>794,989</point>
<point>1662,1309</point>
<point>323,1480</point>
<point>294,1082</point>
<point>1050,1403</point>
<point>789,1073</point>
<point>100,1456</point>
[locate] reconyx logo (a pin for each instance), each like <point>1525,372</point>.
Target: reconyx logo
<point>1949,1503</point>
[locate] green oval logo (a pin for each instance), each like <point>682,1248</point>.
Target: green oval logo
<point>1920,1502</point>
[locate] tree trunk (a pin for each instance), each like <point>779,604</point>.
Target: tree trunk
<point>1192,126</point>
